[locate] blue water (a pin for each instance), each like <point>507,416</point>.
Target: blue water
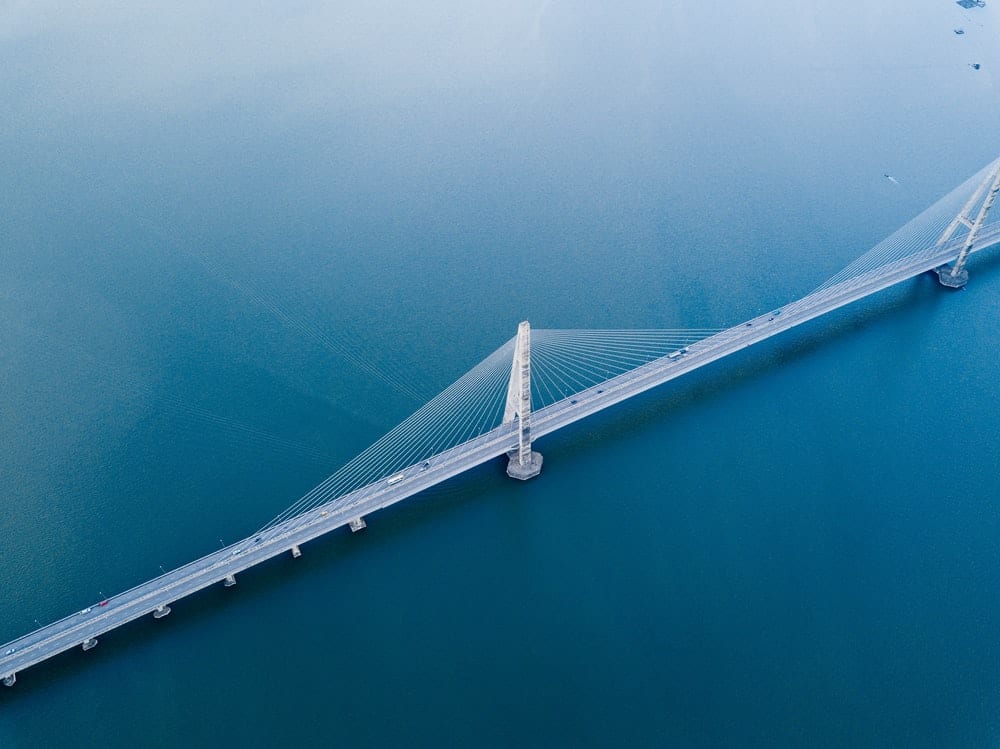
<point>210,216</point>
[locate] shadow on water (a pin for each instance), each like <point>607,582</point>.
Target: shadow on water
<point>985,263</point>
<point>487,483</point>
<point>338,552</point>
<point>922,293</point>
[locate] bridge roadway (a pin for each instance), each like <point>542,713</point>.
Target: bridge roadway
<point>153,595</point>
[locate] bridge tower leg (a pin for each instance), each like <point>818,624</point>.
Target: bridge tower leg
<point>522,463</point>
<point>956,276</point>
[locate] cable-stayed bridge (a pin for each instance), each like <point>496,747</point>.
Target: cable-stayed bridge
<point>535,384</point>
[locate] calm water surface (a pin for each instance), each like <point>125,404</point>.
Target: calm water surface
<point>211,217</point>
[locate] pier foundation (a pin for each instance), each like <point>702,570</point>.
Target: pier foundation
<point>526,470</point>
<point>230,581</point>
<point>296,551</point>
<point>161,611</point>
<point>89,644</point>
<point>358,524</point>
<point>9,680</point>
<point>952,279</point>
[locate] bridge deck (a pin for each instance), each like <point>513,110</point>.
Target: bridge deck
<point>213,568</point>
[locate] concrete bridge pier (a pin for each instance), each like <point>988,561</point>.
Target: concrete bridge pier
<point>161,611</point>
<point>9,680</point>
<point>230,581</point>
<point>358,524</point>
<point>525,470</point>
<point>89,644</point>
<point>523,463</point>
<point>952,278</point>
<point>296,551</point>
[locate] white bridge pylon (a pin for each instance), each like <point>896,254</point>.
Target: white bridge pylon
<point>523,463</point>
<point>956,276</point>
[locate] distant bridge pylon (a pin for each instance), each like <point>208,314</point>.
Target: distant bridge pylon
<point>956,276</point>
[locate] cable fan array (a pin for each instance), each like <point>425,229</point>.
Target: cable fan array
<point>564,362</point>
<point>469,407</point>
<point>919,234</point>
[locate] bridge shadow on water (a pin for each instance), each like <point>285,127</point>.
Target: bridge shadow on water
<point>678,398</point>
<point>486,489</point>
<point>273,590</point>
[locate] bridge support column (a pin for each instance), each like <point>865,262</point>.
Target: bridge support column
<point>296,551</point>
<point>89,644</point>
<point>161,611</point>
<point>9,680</point>
<point>358,524</point>
<point>956,276</point>
<point>230,581</point>
<point>522,463</point>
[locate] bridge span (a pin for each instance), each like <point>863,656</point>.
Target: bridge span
<point>155,596</point>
